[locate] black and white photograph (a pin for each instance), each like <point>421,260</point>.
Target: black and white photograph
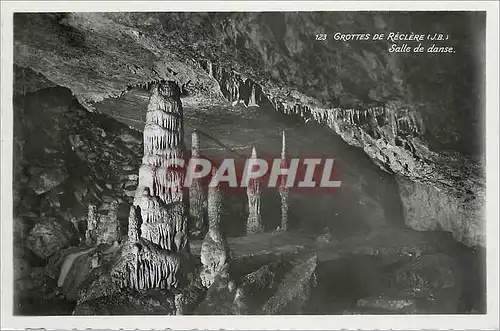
<point>188,161</point>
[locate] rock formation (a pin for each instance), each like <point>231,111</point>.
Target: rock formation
<point>254,222</point>
<point>143,265</point>
<point>215,251</point>
<point>160,193</point>
<point>283,189</point>
<point>157,232</point>
<point>197,197</point>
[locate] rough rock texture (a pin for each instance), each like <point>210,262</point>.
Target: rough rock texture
<point>98,284</point>
<point>103,228</point>
<point>222,296</point>
<point>233,292</point>
<point>148,303</point>
<point>294,291</point>
<point>188,299</point>
<point>160,223</point>
<point>134,226</point>
<point>258,286</point>
<point>48,237</point>
<point>54,132</point>
<point>28,269</point>
<point>429,208</point>
<point>44,180</point>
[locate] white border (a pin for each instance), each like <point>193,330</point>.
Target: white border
<point>488,321</point>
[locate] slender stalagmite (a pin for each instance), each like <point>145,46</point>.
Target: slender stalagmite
<point>254,222</point>
<point>215,251</point>
<point>197,197</point>
<point>283,189</point>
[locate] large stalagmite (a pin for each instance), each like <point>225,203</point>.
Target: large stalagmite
<point>254,222</point>
<point>157,233</point>
<point>160,194</point>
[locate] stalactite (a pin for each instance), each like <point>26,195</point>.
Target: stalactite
<point>254,222</point>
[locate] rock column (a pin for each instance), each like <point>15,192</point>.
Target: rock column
<point>215,251</point>
<point>160,193</point>
<point>254,222</point>
<point>197,197</point>
<point>283,189</point>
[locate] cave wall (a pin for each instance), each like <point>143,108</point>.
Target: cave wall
<point>417,116</point>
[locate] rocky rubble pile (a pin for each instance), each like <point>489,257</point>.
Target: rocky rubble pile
<point>66,159</point>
